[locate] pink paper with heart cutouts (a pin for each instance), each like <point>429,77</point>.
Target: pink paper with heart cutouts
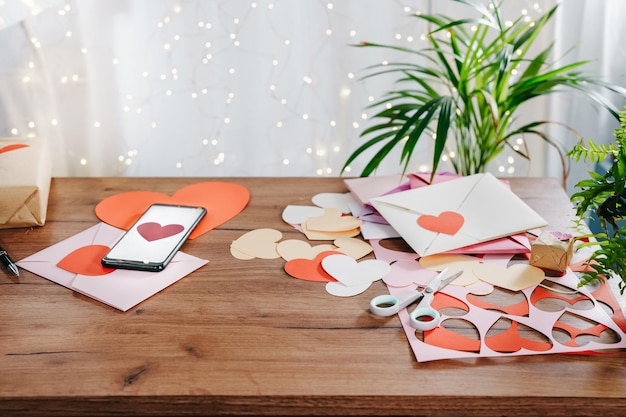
<point>152,231</point>
<point>223,201</point>
<point>498,326</point>
<point>448,222</point>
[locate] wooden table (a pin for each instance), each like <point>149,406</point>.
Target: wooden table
<point>243,338</point>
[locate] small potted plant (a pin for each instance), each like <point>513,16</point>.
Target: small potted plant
<point>468,85</point>
<point>604,195</point>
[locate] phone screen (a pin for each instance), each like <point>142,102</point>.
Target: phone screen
<point>155,238</point>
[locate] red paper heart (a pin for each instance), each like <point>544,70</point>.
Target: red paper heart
<point>513,340</point>
<point>86,261</point>
<point>13,147</point>
<point>448,222</point>
<point>310,269</point>
<point>222,200</point>
<point>152,231</point>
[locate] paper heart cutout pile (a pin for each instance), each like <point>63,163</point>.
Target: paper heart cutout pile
<point>222,200</point>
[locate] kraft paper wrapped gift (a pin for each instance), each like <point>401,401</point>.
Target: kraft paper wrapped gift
<point>25,171</point>
<point>552,251</point>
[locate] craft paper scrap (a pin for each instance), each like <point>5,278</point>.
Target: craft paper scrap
<point>75,264</point>
<point>223,201</point>
<point>480,206</point>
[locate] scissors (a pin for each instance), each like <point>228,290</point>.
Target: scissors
<point>424,317</point>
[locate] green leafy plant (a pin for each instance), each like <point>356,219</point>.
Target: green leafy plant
<point>468,84</point>
<point>604,196</point>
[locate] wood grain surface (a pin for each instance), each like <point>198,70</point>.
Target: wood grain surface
<point>243,338</point>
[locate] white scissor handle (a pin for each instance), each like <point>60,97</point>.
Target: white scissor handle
<point>425,318</point>
<point>387,305</point>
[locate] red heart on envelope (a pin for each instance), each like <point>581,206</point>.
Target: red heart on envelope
<point>223,201</point>
<point>86,261</point>
<point>448,222</point>
<point>13,147</point>
<point>152,231</point>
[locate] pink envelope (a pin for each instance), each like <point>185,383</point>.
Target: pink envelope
<point>122,289</point>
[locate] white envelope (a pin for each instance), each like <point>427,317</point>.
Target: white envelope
<point>486,208</point>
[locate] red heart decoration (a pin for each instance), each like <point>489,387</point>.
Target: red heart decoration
<point>13,147</point>
<point>223,201</point>
<point>448,222</point>
<point>86,261</point>
<point>154,231</point>
<point>310,269</point>
<point>511,339</point>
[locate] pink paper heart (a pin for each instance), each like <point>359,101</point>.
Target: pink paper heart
<point>152,231</point>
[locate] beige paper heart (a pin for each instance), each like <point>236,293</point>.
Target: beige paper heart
<point>515,277</point>
<point>259,243</point>
<point>353,247</point>
<point>454,263</point>
<point>315,235</point>
<point>332,221</point>
<point>299,249</point>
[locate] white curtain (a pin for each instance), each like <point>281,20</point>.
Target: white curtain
<point>237,87</point>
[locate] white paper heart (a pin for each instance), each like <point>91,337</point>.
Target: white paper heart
<point>340,290</point>
<point>294,214</point>
<point>339,201</point>
<point>350,272</point>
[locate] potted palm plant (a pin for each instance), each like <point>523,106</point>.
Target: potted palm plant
<point>604,196</point>
<point>466,87</point>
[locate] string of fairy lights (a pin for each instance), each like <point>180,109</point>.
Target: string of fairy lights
<point>192,88</point>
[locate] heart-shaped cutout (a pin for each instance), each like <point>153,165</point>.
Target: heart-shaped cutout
<point>293,249</point>
<point>406,273</point>
<point>332,221</point>
<point>454,334</point>
<point>13,147</point>
<point>293,214</point>
<point>152,231</point>
<point>508,302</point>
<point>574,331</point>
<point>258,243</point>
<point>515,278</point>
<point>350,272</point>
<point>448,222</point>
<point>509,336</point>
<point>310,269</point>
<point>353,247</point>
<point>341,290</point>
<point>551,297</point>
<point>340,201</point>
<point>86,261</point>
<point>454,263</point>
<point>223,201</point>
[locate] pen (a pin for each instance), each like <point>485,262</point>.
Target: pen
<point>8,263</point>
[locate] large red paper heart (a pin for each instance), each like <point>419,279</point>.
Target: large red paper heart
<point>152,231</point>
<point>13,147</point>
<point>86,261</point>
<point>223,201</point>
<point>448,222</point>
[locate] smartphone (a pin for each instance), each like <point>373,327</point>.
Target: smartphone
<point>153,240</point>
